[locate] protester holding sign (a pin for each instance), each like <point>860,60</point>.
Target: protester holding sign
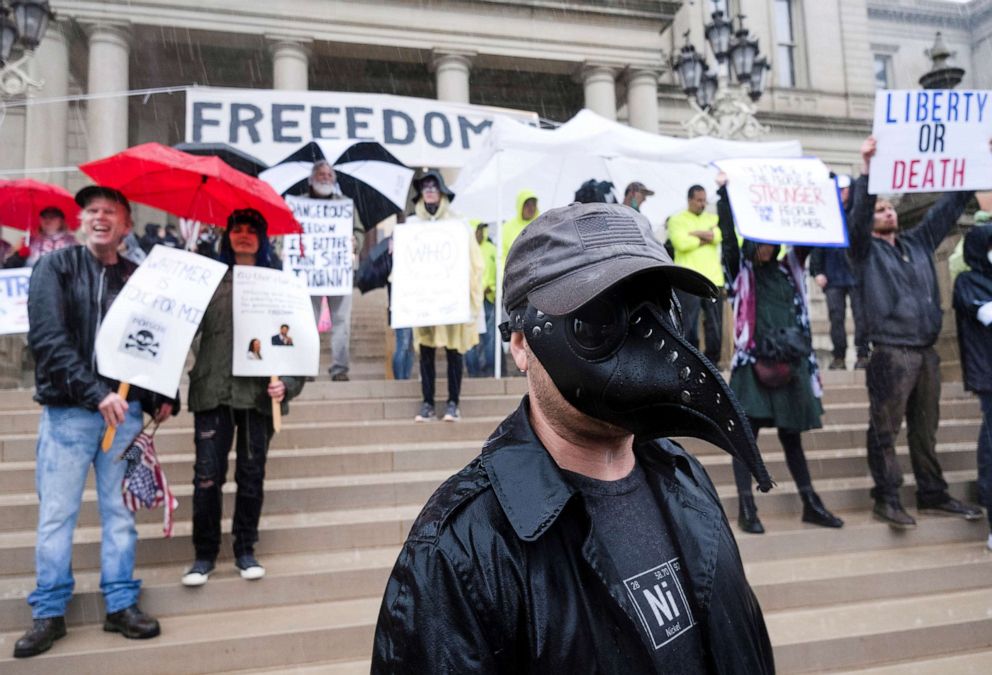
<point>71,291</point>
<point>324,185</point>
<point>433,200</point>
<point>227,408</point>
<point>903,316</point>
<point>774,372</point>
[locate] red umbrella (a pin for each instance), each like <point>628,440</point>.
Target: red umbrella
<point>21,202</point>
<point>199,188</point>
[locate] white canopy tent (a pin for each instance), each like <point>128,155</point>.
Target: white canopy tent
<point>555,162</point>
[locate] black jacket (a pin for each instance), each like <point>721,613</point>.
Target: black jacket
<point>901,299</point>
<point>501,572</point>
<point>69,295</point>
<point>973,289</point>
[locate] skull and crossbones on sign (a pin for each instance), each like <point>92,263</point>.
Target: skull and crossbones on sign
<point>142,341</point>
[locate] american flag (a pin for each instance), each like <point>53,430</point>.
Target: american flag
<point>145,485</point>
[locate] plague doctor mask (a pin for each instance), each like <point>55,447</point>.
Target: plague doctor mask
<point>591,291</point>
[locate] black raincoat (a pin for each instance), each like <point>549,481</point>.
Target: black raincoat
<point>501,572</point>
<point>973,289</point>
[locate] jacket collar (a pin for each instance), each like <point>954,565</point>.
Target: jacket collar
<point>529,485</point>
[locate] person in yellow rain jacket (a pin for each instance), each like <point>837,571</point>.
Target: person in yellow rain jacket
<point>480,360</point>
<point>526,212</point>
<point>696,239</point>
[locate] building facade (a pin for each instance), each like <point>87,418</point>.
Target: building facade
<point>549,56</point>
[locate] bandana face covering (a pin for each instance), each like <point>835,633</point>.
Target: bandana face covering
<point>621,358</point>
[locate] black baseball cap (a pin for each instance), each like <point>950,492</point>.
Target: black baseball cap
<point>91,192</point>
<point>569,255</point>
<point>52,212</point>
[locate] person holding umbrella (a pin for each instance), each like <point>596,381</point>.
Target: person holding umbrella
<point>230,409</point>
<point>71,290</point>
<point>324,185</point>
<point>432,201</point>
<point>53,234</point>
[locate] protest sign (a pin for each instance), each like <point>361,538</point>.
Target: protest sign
<point>145,336</point>
<point>785,201</point>
<point>431,271</point>
<point>323,256</point>
<point>932,140</point>
<point>274,328</point>
<point>270,124</point>
<point>14,300</point>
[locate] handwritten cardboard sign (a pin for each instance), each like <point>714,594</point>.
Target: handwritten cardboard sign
<point>323,256</point>
<point>431,270</point>
<point>148,329</point>
<point>785,201</point>
<point>932,140</point>
<point>274,328</point>
<point>14,286</point>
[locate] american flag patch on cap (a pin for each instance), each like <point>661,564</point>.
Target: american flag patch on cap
<point>599,230</point>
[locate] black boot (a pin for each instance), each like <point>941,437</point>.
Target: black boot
<point>748,518</point>
<point>40,637</point>
<point>815,512</point>
<point>132,623</point>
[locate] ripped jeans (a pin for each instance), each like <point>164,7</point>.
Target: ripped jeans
<point>214,430</point>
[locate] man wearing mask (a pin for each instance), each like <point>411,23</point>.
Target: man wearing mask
<point>635,194</point>
<point>695,238</point>
<point>903,319</point>
<point>324,185</point>
<point>567,545</point>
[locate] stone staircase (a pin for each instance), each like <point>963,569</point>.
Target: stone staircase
<point>350,471</point>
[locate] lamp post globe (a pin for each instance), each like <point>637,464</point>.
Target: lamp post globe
<point>32,17</point>
<point>8,35</point>
<point>742,55</point>
<point>689,67</point>
<point>718,35</point>
<point>706,93</point>
<point>759,78</point>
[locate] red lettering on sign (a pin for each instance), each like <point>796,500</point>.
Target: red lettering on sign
<point>898,174</point>
<point>928,175</point>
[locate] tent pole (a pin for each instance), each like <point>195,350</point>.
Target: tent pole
<point>497,311</point>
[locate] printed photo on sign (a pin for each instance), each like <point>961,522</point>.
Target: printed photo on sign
<point>431,270</point>
<point>275,332</point>
<point>323,256</point>
<point>785,201</point>
<point>931,140</point>
<point>14,286</point>
<point>660,602</point>
<point>145,337</point>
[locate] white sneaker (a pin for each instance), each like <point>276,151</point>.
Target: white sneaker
<point>250,568</point>
<point>989,543</point>
<point>198,574</point>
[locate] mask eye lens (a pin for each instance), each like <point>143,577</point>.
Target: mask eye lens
<point>593,336</point>
<point>598,328</point>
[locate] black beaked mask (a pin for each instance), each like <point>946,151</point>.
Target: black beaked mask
<point>621,358</point>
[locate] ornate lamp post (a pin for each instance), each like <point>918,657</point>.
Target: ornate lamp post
<point>723,101</point>
<point>22,25</point>
<point>942,75</point>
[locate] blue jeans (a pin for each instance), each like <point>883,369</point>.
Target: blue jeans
<point>480,360</point>
<point>403,354</point>
<point>985,455</point>
<point>68,443</point>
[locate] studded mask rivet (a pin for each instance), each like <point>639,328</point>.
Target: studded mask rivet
<point>673,357</point>
<point>686,396</point>
<point>548,327</point>
<point>659,345</point>
<point>536,332</point>
<point>685,373</point>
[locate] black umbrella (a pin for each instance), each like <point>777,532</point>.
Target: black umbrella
<point>230,155</point>
<point>369,174</point>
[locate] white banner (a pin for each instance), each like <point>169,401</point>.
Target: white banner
<point>431,274</point>
<point>785,201</point>
<point>14,286</point>
<point>146,334</point>
<point>271,124</point>
<point>326,261</point>
<point>931,140</point>
<point>274,329</point>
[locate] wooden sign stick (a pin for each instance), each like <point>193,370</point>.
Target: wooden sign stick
<point>108,436</point>
<point>276,409</point>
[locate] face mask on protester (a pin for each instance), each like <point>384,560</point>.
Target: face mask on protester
<point>621,358</point>
<point>323,189</point>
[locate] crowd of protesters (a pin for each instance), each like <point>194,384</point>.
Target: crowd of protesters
<point>887,274</point>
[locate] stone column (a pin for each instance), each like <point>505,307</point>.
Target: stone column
<point>47,125</point>
<point>599,84</point>
<point>642,99</point>
<point>452,70</point>
<point>290,64</point>
<point>107,118</point>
